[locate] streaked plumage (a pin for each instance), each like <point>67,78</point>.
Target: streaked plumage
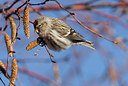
<point>58,35</point>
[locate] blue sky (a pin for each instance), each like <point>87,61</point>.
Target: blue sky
<point>83,66</point>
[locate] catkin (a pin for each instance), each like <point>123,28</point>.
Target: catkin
<point>2,67</point>
<point>8,44</point>
<point>55,68</point>
<point>26,21</point>
<point>32,45</point>
<point>56,72</point>
<point>112,73</point>
<point>13,28</point>
<point>13,72</point>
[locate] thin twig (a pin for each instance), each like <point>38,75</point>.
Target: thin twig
<point>37,76</point>
<point>2,81</point>
<point>19,17</point>
<point>6,74</point>
<point>5,27</point>
<point>17,10</point>
<point>73,15</point>
<point>39,3</point>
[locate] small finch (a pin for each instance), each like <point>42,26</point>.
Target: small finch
<point>57,34</point>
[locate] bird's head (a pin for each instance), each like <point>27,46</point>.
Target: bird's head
<point>39,24</point>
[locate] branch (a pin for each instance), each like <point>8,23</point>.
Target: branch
<point>35,75</point>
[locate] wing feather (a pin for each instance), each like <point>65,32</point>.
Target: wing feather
<point>63,28</point>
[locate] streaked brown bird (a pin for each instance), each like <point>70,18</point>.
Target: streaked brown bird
<point>58,35</point>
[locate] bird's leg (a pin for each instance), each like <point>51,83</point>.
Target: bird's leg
<point>42,43</point>
<point>50,55</point>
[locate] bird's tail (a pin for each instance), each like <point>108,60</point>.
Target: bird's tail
<point>79,41</point>
<point>88,44</point>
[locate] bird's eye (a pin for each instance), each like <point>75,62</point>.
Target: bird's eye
<point>35,23</point>
<point>40,25</point>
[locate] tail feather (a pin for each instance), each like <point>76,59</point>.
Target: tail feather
<point>85,43</point>
<point>88,44</point>
<point>76,40</point>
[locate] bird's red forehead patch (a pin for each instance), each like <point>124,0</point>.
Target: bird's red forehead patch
<point>35,23</point>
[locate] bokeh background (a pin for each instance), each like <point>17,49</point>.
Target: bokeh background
<point>77,65</point>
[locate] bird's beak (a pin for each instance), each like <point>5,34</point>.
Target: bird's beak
<point>36,31</point>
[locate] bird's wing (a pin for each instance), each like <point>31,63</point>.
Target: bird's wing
<point>64,29</point>
<point>75,37</point>
<point>73,32</point>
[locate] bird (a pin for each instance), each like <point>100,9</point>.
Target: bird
<point>58,35</point>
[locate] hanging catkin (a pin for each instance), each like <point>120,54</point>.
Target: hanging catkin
<point>13,72</point>
<point>2,67</point>
<point>26,21</point>
<point>13,28</point>
<point>32,45</point>
<point>8,44</point>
